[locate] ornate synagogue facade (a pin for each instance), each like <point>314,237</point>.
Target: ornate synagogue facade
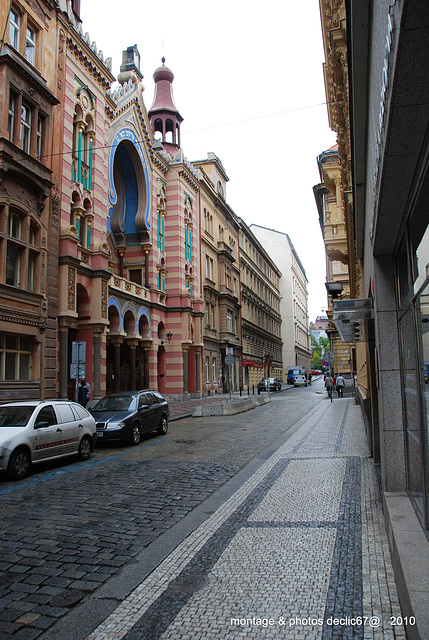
<point>155,309</point>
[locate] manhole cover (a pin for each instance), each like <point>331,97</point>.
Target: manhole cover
<point>189,584</point>
<point>67,598</point>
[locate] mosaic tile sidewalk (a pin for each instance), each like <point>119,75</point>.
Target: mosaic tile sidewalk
<point>299,551</point>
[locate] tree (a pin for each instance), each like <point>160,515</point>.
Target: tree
<point>316,351</point>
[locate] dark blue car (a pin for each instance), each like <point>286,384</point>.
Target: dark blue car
<point>126,415</point>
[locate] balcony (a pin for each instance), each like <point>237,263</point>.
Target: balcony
<point>129,288</point>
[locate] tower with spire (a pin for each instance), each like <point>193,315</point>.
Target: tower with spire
<point>164,116</point>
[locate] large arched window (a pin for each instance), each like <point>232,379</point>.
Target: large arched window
<point>129,193</point>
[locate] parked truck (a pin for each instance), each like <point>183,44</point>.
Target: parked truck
<point>293,372</point>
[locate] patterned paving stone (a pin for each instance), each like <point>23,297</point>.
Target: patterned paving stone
<point>299,551</point>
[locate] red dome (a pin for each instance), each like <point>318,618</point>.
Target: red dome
<point>163,73</point>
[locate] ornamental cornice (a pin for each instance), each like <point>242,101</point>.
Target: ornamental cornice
<point>85,55</point>
<point>160,162</point>
<point>183,173</point>
<point>19,316</point>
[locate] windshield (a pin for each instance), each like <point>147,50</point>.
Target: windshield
<point>116,403</point>
<point>15,416</point>
<point>294,372</point>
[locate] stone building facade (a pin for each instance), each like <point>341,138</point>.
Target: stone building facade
<point>29,210</point>
<point>332,218</point>
<point>101,236</point>
<point>260,299</point>
<point>381,49</point>
<point>221,279</point>
<point>155,308</point>
<point>293,292</point>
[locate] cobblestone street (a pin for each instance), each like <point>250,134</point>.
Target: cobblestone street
<point>299,546</point>
<point>272,528</point>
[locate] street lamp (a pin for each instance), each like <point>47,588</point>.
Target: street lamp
<point>169,336</point>
<point>334,289</point>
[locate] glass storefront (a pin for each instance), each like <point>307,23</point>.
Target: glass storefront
<point>423,325</point>
<point>413,294</point>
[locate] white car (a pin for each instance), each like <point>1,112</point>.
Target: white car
<point>36,431</point>
<point>300,381</point>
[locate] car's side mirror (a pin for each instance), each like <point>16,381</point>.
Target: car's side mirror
<point>42,424</point>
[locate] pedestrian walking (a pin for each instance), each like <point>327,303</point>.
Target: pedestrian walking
<point>329,383</point>
<point>84,392</point>
<point>340,385</point>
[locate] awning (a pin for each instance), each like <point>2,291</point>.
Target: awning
<point>351,316</point>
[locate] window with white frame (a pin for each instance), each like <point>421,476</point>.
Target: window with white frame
<point>30,45</point>
<point>209,315</point>
<point>39,138</point>
<point>25,133</point>
<point>229,321</point>
<point>14,225</point>
<point>11,115</point>
<point>14,28</point>
<point>209,268</point>
<point>20,24</point>
<point>228,277</point>
<point>207,368</point>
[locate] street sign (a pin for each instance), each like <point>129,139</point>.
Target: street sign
<point>77,372</point>
<point>229,351</point>
<point>229,360</point>
<point>79,352</point>
<point>329,355</point>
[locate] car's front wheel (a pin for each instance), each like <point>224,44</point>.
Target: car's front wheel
<point>84,451</point>
<point>163,426</point>
<point>135,435</point>
<point>19,464</point>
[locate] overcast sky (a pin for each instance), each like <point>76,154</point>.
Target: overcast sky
<point>249,85</point>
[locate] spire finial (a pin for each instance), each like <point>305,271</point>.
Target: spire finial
<point>163,60</point>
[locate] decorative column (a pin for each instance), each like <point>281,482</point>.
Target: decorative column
<point>185,374</point>
<point>89,218</point>
<point>97,334</point>
<point>79,217</point>
<point>63,328</point>
<point>146,350</point>
<point>162,231</point>
<point>116,342</point>
<point>81,129</point>
<point>132,344</point>
<point>90,159</point>
<point>146,249</point>
<point>198,372</point>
